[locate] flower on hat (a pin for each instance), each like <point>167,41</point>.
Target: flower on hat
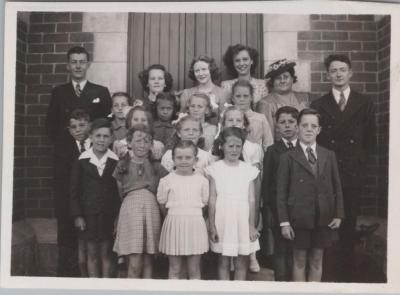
<point>279,65</point>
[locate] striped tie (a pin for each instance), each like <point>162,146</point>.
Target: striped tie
<point>342,101</point>
<point>311,156</point>
<point>78,90</point>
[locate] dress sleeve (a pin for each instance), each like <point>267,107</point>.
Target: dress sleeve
<point>210,171</point>
<point>166,161</point>
<point>162,191</point>
<point>268,138</point>
<point>252,172</point>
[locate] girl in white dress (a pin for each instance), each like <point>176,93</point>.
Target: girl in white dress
<point>183,193</point>
<point>232,206</point>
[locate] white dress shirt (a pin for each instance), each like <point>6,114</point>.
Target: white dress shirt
<point>336,94</point>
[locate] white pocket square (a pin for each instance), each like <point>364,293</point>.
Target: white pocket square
<point>96,100</point>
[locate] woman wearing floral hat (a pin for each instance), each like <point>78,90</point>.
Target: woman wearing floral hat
<point>281,77</point>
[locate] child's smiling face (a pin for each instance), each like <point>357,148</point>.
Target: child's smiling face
<point>101,139</point>
<point>309,129</point>
<point>140,144</point>
<point>198,107</point>
<point>234,118</point>
<point>190,130</point>
<point>79,129</point>
<point>242,98</point>
<point>184,160</point>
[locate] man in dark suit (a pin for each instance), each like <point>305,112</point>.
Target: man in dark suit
<point>96,101</point>
<point>348,128</point>
<point>286,122</point>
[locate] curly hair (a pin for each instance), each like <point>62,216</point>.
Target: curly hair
<point>179,125</point>
<point>129,115</point>
<point>270,82</point>
<point>231,53</point>
<point>223,136</point>
<point>212,66</point>
<point>144,77</point>
<point>210,114</point>
<point>247,84</point>
<point>246,122</point>
<point>168,97</point>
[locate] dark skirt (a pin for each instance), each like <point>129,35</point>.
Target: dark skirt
<point>321,237</point>
<point>99,227</point>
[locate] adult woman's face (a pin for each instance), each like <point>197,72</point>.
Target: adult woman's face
<point>283,83</point>
<point>202,72</point>
<point>242,63</point>
<point>156,81</point>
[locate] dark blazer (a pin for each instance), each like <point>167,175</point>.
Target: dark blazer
<point>299,191</point>
<point>351,134</point>
<point>95,99</point>
<point>92,193</point>
<point>270,169</point>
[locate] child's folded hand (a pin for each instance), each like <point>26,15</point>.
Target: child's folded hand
<point>213,234</point>
<point>335,223</point>
<point>287,232</point>
<point>254,234</point>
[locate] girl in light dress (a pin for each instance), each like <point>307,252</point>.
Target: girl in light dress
<point>188,128</point>
<point>139,222</point>
<point>200,109</point>
<point>232,206</point>
<point>259,129</point>
<point>182,194</point>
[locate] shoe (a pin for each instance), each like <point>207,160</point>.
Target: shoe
<point>253,265</point>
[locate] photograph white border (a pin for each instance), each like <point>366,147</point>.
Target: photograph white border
<point>270,7</point>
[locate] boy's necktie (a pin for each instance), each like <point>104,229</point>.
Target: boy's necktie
<point>342,101</point>
<point>290,145</point>
<point>82,146</point>
<point>311,156</point>
<point>78,90</point>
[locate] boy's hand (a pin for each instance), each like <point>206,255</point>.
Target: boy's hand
<point>254,234</point>
<point>287,232</point>
<point>80,223</point>
<point>335,223</point>
<point>213,234</point>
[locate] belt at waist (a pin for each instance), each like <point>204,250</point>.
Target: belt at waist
<point>184,211</point>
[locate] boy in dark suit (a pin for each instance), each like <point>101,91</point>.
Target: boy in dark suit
<point>79,93</point>
<point>348,128</point>
<point>78,128</point>
<point>309,199</point>
<point>286,122</point>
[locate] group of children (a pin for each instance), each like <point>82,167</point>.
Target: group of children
<point>161,179</point>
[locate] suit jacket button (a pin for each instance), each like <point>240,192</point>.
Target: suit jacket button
<point>332,141</point>
<point>301,180</point>
<point>351,141</point>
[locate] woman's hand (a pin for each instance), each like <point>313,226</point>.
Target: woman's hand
<point>287,232</point>
<point>80,223</point>
<point>254,234</point>
<point>214,234</point>
<point>335,223</point>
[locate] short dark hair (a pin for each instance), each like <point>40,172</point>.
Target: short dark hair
<point>232,51</point>
<point>139,127</point>
<point>183,144</point>
<point>287,110</point>
<point>129,115</point>
<point>121,93</point>
<point>100,123</point>
<point>144,77</point>
<point>171,98</point>
<point>308,112</point>
<point>77,50</point>
<point>212,66</point>
<point>336,57</point>
<point>270,82</point>
<point>79,114</point>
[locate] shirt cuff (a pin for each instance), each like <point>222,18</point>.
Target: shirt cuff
<point>284,224</point>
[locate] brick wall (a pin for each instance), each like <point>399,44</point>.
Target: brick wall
<point>361,38</point>
<point>49,36</point>
<point>19,151</point>
<point>383,38</point>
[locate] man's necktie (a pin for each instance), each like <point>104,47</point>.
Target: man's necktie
<point>290,145</point>
<point>82,146</point>
<point>342,101</point>
<point>311,156</point>
<point>78,90</point>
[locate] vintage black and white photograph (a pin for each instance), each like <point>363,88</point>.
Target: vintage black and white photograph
<point>215,142</point>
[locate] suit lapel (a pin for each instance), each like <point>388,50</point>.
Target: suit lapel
<point>321,159</point>
<point>354,102</point>
<point>281,147</point>
<point>108,167</point>
<point>300,157</point>
<point>330,106</point>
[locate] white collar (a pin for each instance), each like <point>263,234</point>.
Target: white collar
<point>286,142</point>
<point>313,147</point>
<point>89,154</point>
<point>336,94</point>
<point>81,83</point>
<point>86,143</point>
